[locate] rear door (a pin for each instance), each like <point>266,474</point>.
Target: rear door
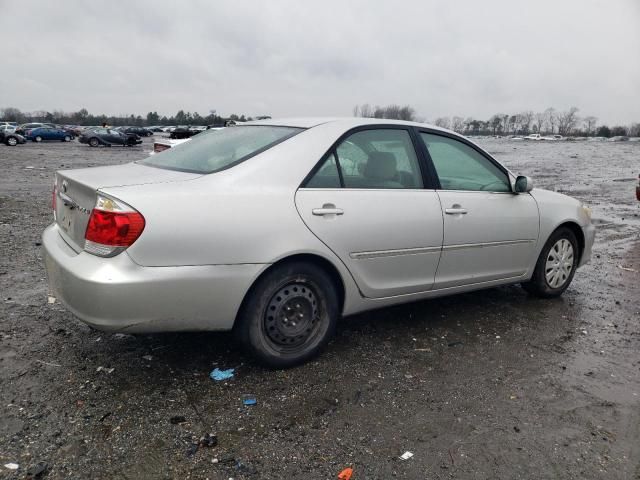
<point>490,233</point>
<point>368,203</point>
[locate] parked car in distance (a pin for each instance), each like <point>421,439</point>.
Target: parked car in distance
<point>183,132</point>
<point>638,189</point>
<point>97,136</point>
<point>9,137</point>
<point>7,128</point>
<point>24,128</point>
<point>275,229</point>
<point>533,136</point>
<point>140,131</point>
<point>48,133</point>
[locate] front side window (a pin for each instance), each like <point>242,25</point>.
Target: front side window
<point>460,167</point>
<point>375,158</point>
<point>216,150</point>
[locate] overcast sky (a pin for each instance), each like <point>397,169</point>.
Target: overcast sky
<point>320,58</point>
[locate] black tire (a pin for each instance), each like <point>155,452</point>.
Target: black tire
<point>94,142</point>
<point>289,315</point>
<point>11,141</point>
<point>539,285</point>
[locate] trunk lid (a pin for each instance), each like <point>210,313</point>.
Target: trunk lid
<point>76,193</point>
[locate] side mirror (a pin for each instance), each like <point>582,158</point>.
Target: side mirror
<point>523,184</point>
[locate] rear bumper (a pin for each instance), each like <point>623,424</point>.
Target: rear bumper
<point>116,294</point>
<point>589,232</point>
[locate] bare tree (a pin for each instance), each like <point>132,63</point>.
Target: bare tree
<point>457,124</point>
<point>495,122</point>
<point>590,124</point>
<point>525,119</point>
<point>567,121</point>
<point>443,122</point>
<point>539,121</point>
<point>550,118</point>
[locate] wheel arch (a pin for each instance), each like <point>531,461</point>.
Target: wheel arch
<point>577,231</point>
<point>312,258</point>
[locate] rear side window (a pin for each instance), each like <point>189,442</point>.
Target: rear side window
<point>374,159</point>
<point>216,150</point>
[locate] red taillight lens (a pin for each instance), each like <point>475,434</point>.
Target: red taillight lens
<point>116,229</point>
<point>160,147</point>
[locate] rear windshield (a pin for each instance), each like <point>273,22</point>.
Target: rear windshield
<point>215,150</point>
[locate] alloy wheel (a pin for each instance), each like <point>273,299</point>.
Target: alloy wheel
<point>559,263</point>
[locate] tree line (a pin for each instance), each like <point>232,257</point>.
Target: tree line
<point>547,122</point>
<point>83,117</point>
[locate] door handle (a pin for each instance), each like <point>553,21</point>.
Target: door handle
<point>327,209</point>
<point>455,211</point>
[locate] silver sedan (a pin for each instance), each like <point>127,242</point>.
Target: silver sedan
<point>275,229</point>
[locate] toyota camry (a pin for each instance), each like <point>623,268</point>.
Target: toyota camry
<point>276,229</point>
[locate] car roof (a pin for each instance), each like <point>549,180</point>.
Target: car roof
<point>347,122</point>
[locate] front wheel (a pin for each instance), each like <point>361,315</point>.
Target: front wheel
<point>556,265</point>
<point>289,315</point>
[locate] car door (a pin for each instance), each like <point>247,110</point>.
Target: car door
<point>490,233</point>
<point>115,137</point>
<point>368,203</point>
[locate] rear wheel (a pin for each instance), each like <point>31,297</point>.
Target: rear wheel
<point>38,139</point>
<point>12,141</point>
<point>289,315</point>
<point>67,138</point>
<point>94,142</point>
<point>556,265</point>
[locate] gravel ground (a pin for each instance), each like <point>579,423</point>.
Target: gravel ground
<point>493,384</point>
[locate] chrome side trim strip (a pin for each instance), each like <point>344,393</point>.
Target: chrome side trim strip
<point>393,253</point>
<point>449,248</point>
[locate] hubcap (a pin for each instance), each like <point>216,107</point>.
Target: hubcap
<point>559,263</point>
<point>12,141</point>
<point>291,317</point>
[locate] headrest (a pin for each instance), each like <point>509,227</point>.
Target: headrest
<point>381,166</point>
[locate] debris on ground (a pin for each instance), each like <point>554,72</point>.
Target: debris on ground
<point>51,299</point>
<point>11,466</point>
<point>48,363</point>
<point>147,357</point>
<point>249,400</point>
<point>35,471</point>
<point>176,419</point>
<point>626,269</point>
<point>219,375</point>
<point>208,440</point>
<point>345,474</point>
<point>406,456</point>
<point>105,369</point>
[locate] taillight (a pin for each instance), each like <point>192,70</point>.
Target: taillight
<point>160,147</point>
<point>113,226</point>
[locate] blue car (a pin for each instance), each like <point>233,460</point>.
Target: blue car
<point>47,133</point>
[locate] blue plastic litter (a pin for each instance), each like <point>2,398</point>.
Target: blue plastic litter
<point>249,400</point>
<point>219,375</point>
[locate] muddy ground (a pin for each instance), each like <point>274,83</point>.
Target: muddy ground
<point>493,384</point>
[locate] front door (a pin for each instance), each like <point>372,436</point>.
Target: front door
<point>490,233</point>
<point>368,204</point>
